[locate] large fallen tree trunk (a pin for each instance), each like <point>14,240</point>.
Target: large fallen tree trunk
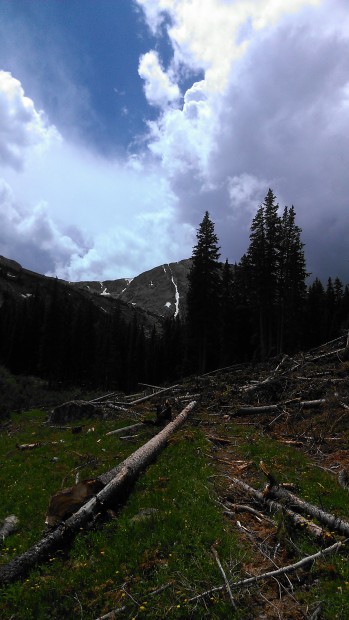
<point>333,523</point>
<point>116,481</point>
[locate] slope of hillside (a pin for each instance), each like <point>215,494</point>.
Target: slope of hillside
<point>161,290</point>
<point>20,284</point>
<point>152,296</point>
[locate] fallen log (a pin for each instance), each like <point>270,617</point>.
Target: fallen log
<point>116,482</point>
<point>149,396</point>
<point>329,354</point>
<point>260,384</point>
<point>312,404</point>
<point>321,347</point>
<point>304,404</point>
<point>314,530</point>
<point>252,410</point>
<point>95,400</point>
<point>333,523</point>
<point>125,428</point>
<point>131,397</point>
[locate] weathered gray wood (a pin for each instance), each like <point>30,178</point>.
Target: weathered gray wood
<point>333,523</point>
<point>149,396</point>
<point>305,404</point>
<point>96,400</point>
<point>125,428</point>
<point>252,410</point>
<point>154,387</point>
<point>116,482</point>
<point>271,574</point>
<point>313,529</point>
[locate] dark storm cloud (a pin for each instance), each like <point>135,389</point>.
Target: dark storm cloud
<point>283,122</point>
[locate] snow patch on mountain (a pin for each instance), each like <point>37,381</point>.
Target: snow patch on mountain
<point>176,294</point>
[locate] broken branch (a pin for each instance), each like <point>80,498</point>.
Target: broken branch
<point>290,568</point>
<point>216,557</point>
<point>272,574</point>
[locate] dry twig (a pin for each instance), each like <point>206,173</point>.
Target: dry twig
<point>216,557</point>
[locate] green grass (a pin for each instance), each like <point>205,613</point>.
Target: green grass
<point>331,576</point>
<point>130,556</point>
<point>29,477</point>
<point>288,464</point>
<point>162,536</point>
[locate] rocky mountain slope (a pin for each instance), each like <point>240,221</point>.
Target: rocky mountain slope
<point>150,297</point>
<point>161,291</point>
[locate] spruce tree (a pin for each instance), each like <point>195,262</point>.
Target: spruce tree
<point>203,298</point>
<point>291,283</point>
<point>263,258</point>
<point>276,273</point>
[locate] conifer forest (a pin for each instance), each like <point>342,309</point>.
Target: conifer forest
<point>265,305</point>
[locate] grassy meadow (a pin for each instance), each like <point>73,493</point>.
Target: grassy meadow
<point>155,554</point>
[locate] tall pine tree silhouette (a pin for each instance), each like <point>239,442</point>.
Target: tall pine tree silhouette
<point>276,272</point>
<point>291,284</point>
<point>203,300</point>
<point>263,254</point>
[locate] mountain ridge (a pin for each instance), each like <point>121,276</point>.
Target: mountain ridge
<point>161,290</point>
<point>152,296</point>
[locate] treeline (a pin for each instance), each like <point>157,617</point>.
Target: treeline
<point>61,336</point>
<point>260,307</point>
<point>255,309</point>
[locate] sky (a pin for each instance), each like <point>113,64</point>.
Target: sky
<point>123,121</point>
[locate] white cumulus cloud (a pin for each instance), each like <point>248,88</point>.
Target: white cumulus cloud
<point>213,34</point>
<point>160,89</point>
<point>22,127</point>
<point>72,213</point>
